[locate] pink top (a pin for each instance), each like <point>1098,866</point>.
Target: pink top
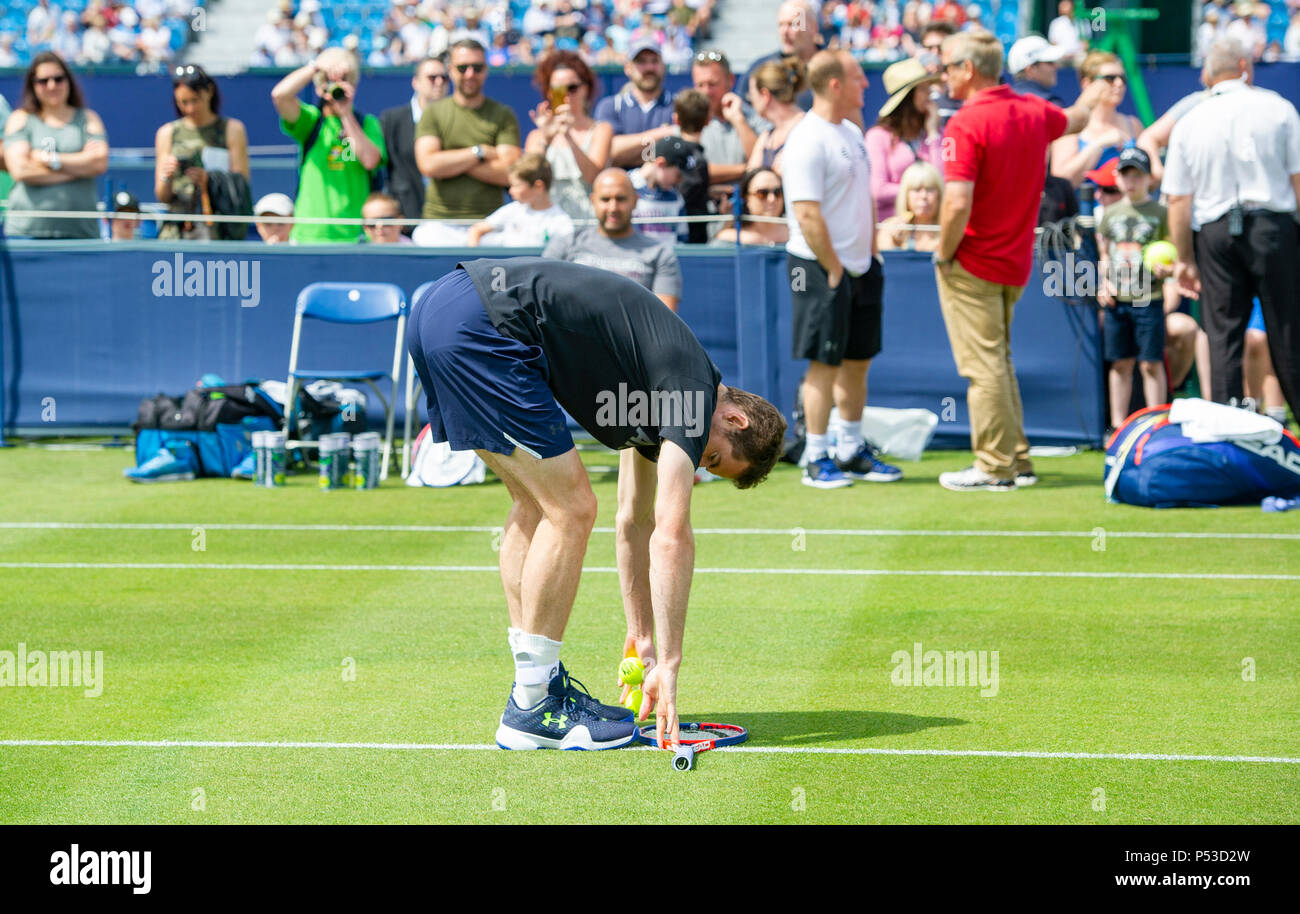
<point>889,158</point>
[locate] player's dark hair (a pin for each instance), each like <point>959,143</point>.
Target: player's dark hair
<point>762,442</point>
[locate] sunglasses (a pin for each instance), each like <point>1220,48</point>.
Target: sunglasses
<point>955,63</point>
<point>436,77</point>
<point>190,75</point>
<point>712,57</point>
<point>775,193</point>
<point>935,47</point>
<point>50,80</point>
<point>463,68</point>
<point>1112,78</point>
<point>570,88</point>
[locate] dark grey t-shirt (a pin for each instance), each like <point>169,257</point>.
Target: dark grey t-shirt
<point>625,367</point>
<point>649,261</point>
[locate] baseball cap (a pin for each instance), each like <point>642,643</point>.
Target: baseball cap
<point>125,202</point>
<point>275,204</point>
<point>676,151</point>
<point>643,44</point>
<point>1030,50</point>
<point>1105,175</point>
<point>1133,157</point>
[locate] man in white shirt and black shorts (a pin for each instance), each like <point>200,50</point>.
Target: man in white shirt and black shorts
<point>836,275</point>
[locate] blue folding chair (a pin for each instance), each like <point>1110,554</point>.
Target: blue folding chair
<point>348,303</point>
<point>412,382</point>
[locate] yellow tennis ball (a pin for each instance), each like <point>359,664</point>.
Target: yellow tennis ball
<point>633,702</point>
<point>631,671</point>
<point>1161,252</point>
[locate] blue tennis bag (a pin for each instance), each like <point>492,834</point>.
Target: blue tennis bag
<point>217,423</point>
<point>1151,463</point>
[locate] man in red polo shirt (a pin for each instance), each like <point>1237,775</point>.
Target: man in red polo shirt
<point>995,161</point>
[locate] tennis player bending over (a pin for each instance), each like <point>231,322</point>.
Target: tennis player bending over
<point>500,346</point>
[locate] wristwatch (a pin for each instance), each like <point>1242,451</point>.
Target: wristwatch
<point>478,151</point>
<point>934,258</point>
<point>55,162</point>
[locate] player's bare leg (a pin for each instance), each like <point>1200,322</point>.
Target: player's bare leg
<point>520,526</point>
<point>552,565</point>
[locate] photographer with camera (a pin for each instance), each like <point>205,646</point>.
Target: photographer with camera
<point>340,151</point>
<point>187,150</point>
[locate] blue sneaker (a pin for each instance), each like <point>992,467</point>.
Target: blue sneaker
<point>559,722</point>
<point>173,463</point>
<point>247,468</point>
<point>824,474</point>
<point>865,465</point>
<point>578,692</point>
<point>1278,503</point>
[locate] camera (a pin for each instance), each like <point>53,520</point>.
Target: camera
<point>194,161</point>
<point>336,92</point>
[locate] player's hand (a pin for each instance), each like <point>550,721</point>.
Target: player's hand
<point>659,691</point>
<point>643,648</point>
<point>1188,279</point>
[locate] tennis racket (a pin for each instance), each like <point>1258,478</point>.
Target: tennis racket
<point>696,738</point>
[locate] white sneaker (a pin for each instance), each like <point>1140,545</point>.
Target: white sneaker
<point>1024,480</point>
<point>973,479</point>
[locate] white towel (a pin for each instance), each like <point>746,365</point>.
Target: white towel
<point>1205,421</point>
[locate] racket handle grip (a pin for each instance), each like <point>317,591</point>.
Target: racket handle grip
<point>684,758</point>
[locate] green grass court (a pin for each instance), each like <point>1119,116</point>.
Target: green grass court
<point>1103,661</point>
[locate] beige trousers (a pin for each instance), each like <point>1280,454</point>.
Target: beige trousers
<point>977,314</point>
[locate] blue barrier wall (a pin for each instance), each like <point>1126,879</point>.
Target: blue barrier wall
<point>90,330</point>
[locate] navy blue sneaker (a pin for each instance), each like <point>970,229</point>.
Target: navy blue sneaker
<point>865,465</point>
<point>559,722</point>
<point>578,692</point>
<point>824,474</point>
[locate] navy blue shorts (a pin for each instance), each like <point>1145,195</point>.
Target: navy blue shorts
<point>485,390</point>
<point>1135,332</point>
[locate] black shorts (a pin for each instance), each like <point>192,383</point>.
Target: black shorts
<point>831,325</point>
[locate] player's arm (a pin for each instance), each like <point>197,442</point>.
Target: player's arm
<point>813,225</point>
<point>672,562</point>
<point>634,523</point>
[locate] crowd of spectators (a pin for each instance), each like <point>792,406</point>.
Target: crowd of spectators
<point>144,33</point>
<point>1269,31</point>
<point>514,33</point>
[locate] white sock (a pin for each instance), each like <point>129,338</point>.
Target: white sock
<point>1276,412</point>
<point>537,662</point>
<point>512,636</point>
<point>848,439</point>
<point>816,446</point>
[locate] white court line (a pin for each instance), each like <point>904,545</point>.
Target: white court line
<point>701,531</point>
<point>760,750</point>
<point>837,572</point>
